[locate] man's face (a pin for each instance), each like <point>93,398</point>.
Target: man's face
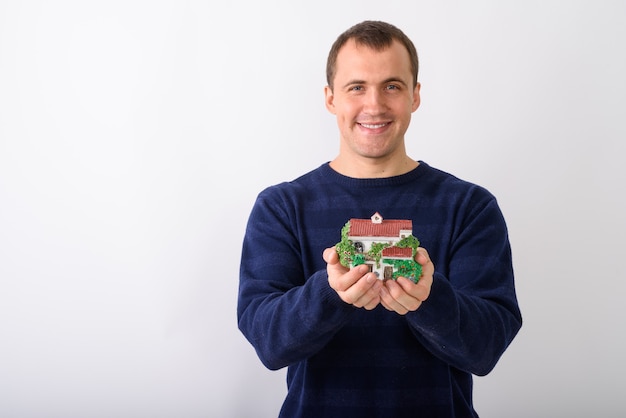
<point>373,99</point>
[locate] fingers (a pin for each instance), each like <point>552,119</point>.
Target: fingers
<point>341,278</point>
<point>402,295</point>
<point>364,290</point>
<point>422,257</point>
<point>399,296</point>
<point>336,271</point>
<point>355,286</point>
<point>365,293</point>
<point>358,287</point>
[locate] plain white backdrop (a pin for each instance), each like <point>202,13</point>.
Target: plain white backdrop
<point>135,136</point>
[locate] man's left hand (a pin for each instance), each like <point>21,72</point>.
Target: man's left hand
<point>402,295</point>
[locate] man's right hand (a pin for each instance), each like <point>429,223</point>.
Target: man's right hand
<point>356,286</point>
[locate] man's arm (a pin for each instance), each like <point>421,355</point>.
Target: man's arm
<point>470,316</point>
<point>286,316</point>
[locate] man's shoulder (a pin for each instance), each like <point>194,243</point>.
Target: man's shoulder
<point>455,184</point>
<point>301,184</point>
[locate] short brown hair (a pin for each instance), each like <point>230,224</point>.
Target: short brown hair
<point>376,35</point>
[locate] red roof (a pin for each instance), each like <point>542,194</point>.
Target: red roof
<point>397,252</point>
<point>388,228</point>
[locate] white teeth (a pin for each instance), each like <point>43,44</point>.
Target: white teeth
<point>380,125</point>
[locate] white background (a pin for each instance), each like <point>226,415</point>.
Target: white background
<point>135,135</point>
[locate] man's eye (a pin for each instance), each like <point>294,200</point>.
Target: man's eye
<point>356,88</point>
<point>392,87</point>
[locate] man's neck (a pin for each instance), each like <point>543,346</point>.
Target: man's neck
<point>373,168</point>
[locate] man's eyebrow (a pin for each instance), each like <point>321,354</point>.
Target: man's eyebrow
<point>395,80</point>
<point>353,82</point>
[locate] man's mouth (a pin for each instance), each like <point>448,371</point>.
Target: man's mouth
<point>374,125</point>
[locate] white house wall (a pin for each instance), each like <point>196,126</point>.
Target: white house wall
<point>368,241</point>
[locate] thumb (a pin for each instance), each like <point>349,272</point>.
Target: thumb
<point>330,255</point>
<point>422,256</point>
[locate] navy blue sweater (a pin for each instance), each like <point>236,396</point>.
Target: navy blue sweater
<point>348,362</point>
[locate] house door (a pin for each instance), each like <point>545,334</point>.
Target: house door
<point>388,273</point>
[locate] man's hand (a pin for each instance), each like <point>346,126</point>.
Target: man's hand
<point>402,295</point>
<point>354,286</point>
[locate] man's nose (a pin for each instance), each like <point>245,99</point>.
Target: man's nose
<point>374,101</point>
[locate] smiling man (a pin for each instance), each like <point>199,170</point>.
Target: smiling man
<point>373,93</point>
<point>356,345</point>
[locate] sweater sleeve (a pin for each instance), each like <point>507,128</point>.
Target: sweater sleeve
<point>472,314</point>
<point>286,316</point>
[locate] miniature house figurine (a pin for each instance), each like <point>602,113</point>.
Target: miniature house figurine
<point>386,246</point>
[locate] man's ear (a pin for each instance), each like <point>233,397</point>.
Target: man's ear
<point>329,99</point>
<point>416,97</point>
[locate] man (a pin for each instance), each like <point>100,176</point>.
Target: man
<point>355,345</point>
